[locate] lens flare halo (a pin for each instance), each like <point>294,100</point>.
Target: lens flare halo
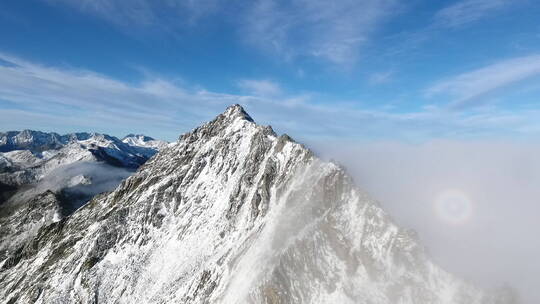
<point>454,207</point>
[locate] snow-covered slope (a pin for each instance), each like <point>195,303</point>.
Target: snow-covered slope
<point>65,171</point>
<point>18,226</point>
<point>231,213</point>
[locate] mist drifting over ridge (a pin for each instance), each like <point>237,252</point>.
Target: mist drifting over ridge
<point>490,237</point>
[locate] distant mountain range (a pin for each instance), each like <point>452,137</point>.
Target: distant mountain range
<point>131,151</point>
<point>28,157</point>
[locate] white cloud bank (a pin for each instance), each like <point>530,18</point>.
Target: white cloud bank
<point>495,241</point>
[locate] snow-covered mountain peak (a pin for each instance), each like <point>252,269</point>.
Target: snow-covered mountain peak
<point>232,120</point>
<point>232,213</point>
<point>36,141</point>
<point>237,111</point>
<point>140,140</point>
<point>140,137</point>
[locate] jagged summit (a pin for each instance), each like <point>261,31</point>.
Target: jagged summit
<point>237,111</point>
<point>233,117</point>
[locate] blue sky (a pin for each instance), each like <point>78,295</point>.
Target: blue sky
<point>344,69</point>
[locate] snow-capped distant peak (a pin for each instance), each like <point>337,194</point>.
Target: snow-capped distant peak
<point>139,140</point>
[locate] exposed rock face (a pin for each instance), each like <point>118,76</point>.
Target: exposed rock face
<point>231,213</point>
<point>19,225</point>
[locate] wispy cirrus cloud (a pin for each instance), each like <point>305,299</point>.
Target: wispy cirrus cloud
<point>468,11</point>
<point>169,15</point>
<point>380,77</point>
<point>37,96</point>
<point>332,30</point>
<point>468,87</point>
<point>260,87</point>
